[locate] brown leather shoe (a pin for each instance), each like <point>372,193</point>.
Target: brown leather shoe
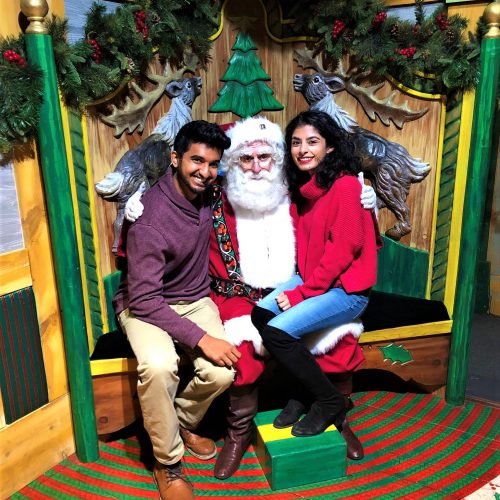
<point>171,483</point>
<point>200,447</point>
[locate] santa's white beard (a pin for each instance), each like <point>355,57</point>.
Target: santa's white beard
<point>264,226</point>
<point>257,192</point>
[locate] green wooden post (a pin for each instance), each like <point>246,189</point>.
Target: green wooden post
<point>484,112</point>
<point>63,234</point>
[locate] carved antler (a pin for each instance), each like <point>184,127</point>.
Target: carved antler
<point>134,114</point>
<point>384,108</point>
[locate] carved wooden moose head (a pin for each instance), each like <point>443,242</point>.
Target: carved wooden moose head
<point>140,168</point>
<point>386,164</point>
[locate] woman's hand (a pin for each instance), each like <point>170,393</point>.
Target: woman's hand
<point>283,302</point>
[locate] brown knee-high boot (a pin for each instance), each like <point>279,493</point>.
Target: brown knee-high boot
<point>343,384</point>
<point>243,404</point>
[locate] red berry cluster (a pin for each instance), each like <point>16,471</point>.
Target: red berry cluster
<point>140,23</point>
<point>442,21</point>
<point>337,28</point>
<point>379,19</point>
<point>15,58</point>
<point>96,55</point>
<point>409,52</point>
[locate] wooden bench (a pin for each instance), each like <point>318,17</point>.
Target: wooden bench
<point>400,337</point>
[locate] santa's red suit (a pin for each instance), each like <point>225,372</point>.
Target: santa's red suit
<point>251,252</point>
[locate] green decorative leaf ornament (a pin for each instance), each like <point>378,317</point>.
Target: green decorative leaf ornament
<point>396,354</point>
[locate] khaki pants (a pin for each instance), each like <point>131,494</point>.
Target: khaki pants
<point>162,409</point>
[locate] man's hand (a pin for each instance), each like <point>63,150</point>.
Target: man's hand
<point>368,196</point>
<point>134,207</point>
<point>219,351</point>
<point>283,302</point>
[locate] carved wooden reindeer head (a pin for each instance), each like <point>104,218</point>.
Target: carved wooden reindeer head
<point>319,85</point>
<point>188,89</point>
<point>133,114</point>
<point>316,87</point>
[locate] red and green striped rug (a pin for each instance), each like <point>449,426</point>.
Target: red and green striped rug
<point>416,446</point>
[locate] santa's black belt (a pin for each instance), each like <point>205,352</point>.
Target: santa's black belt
<point>236,288</point>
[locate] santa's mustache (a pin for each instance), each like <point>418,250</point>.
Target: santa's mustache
<point>262,175</point>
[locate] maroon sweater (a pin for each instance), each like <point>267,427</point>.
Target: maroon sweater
<point>167,260</point>
<point>337,240</point>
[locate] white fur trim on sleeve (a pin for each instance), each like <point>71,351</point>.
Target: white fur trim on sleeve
<point>324,340</point>
<point>240,329</point>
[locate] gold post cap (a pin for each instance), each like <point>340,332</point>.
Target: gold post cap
<point>492,18</point>
<point>35,11</point>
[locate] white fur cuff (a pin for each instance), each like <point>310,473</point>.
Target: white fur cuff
<point>240,329</point>
<point>325,340</point>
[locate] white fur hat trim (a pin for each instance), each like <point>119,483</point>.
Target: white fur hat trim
<point>254,129</point>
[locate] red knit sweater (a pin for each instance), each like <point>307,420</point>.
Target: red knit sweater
<point>337,240</point>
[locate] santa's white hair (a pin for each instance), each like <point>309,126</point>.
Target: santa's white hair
<point>262,191</point>
<point>252,130</point>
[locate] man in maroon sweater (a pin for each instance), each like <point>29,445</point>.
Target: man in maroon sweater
<point>164,299</point>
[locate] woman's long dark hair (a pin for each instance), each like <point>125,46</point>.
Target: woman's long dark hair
<point>341,161</point>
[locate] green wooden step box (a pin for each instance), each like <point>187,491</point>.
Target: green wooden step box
<point>289,461</point>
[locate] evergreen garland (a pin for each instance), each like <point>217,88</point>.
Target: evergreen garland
<point>20,95</point>
<point>429,54</point>
<point>116,47</point>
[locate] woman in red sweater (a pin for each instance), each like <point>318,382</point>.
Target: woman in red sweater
<point>337,242</point>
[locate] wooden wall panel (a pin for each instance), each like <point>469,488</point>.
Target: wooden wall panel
<point>36,234</point>
<point>419,137</point>
<point>25,451</point>
<point>34,444</point>
<point>428,367</point>
<point>22,372</point>
<point>15,271</point>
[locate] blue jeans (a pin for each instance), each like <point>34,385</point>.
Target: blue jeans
<point>329,309</point>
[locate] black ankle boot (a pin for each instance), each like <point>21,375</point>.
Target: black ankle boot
<point>261,317</point>
<point>319,417</point>
<point>289,415</point>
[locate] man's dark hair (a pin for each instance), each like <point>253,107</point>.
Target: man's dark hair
<point>201,132</point>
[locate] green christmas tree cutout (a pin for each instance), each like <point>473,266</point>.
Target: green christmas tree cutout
<point>245,93</point>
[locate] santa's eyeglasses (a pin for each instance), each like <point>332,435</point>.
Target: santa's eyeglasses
<point>262,158</point>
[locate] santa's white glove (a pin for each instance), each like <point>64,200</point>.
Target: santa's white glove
<point>134,207</point>
<point>368,196</point>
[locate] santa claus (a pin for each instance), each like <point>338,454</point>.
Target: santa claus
<point>252,251</point>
